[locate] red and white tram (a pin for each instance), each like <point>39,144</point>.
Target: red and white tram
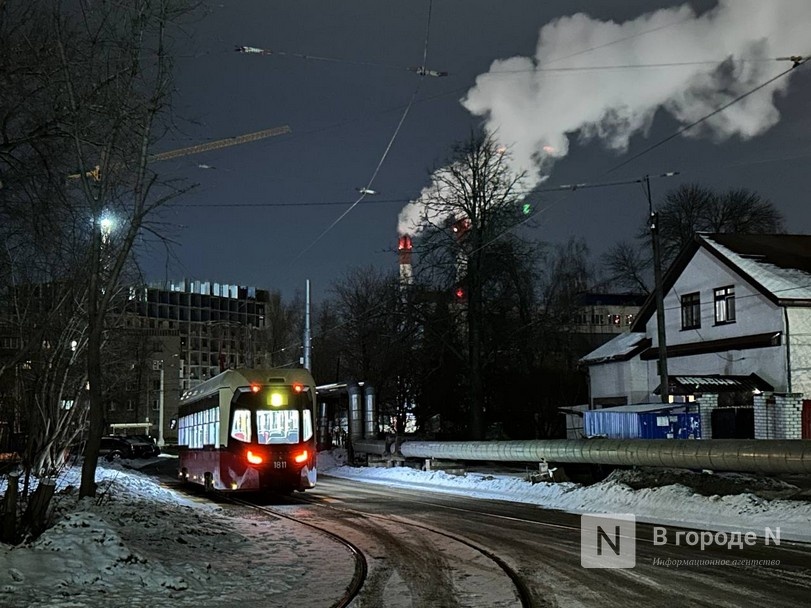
<point>249,429</point>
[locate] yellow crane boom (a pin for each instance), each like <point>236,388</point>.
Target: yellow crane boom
<point>220,143</point>
<point>95,173</point>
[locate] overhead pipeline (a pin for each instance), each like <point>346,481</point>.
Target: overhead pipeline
<point>740,455</point>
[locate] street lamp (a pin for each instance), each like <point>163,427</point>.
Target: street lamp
<point>157,365</point>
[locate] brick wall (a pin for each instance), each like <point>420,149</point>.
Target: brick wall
<point>778,416</point>
<point>706,404</point>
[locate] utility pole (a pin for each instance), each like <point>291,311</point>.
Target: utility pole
<point>307,337</point>
<point>660,297</point>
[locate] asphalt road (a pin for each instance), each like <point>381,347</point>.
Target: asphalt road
<point>544,546</point>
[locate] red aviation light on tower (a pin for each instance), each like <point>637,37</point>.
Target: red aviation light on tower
<point>404,248</point>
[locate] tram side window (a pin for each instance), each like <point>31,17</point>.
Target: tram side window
<point>307,425</point>
<point>199,429</point>
<point>241,428</point>
<point>277,426</point>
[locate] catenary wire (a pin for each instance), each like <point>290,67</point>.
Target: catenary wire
<point>368,186</point>
<point>650,148</point>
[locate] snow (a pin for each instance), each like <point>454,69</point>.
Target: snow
<point>784,283</point>
<point>675,504</point>
<point>616,348</point>
<point>140,544</point>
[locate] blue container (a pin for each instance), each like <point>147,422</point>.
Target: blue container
<point>616,425</point>
<point>624,422</point>
<point>655,425</point>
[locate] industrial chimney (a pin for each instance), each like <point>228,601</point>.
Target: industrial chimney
<point>404,248</point>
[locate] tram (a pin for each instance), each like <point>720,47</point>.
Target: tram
<point>249,430</point>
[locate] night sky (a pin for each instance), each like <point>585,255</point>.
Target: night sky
<point>258,208</point>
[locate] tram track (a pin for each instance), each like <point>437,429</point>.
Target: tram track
<point>361,566</point>
<point>520,588</point>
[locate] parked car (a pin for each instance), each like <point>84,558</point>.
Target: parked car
<point>143,445</point>
<point>114,447</point>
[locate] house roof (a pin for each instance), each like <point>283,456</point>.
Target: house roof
<point>621,347</point>
<point>715,383</point>
<point>643,408</point>
<point>777,265</point>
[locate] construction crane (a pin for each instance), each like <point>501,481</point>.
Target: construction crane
<point>95,173</point>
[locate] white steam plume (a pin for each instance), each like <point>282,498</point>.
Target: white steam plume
<point>534,109</point>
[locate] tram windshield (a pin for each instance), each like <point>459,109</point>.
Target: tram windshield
<point>275,415</point>
<point>277,426</point>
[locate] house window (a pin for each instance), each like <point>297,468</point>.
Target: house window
<point>724,305</point>
<point>691,311</point>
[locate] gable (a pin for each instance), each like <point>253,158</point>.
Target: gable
<point>778,266</point>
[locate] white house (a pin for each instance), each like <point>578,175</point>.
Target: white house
<point>738,338</point>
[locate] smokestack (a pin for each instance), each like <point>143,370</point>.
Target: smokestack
<point>404,248</point>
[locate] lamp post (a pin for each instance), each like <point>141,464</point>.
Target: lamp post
<point>157,364</point>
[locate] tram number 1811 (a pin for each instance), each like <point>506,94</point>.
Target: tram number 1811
<point>280,464</point>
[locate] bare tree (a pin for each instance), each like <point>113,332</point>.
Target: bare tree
<point>628,267</point>
<point>78,122</point>
<point>689,209</point>
<point>478,192</point>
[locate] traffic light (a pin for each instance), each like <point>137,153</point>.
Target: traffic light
<point>459,294</point>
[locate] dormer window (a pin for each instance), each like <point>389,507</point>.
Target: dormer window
<point>724,305</point>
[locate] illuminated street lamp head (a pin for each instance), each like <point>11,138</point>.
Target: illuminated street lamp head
<point>106,223</point>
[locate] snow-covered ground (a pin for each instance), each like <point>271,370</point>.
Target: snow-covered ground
<point>673,504</point>
<point>139,544</point>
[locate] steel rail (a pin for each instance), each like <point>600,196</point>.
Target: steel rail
<point>521,588</point>
<point>361,567</point>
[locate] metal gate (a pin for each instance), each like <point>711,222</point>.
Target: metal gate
<point>733,423</point>
<point>806,422</point>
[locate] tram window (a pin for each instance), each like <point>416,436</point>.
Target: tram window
<point>307,424</point>
<point>277,426</point>
<point>241,428</point>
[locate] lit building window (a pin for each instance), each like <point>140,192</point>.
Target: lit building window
<point>724,305</point>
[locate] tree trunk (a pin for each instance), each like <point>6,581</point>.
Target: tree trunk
<point>8,534</point>
<point>474,321</point>
<point>35,517</point>
<point>96,416</point>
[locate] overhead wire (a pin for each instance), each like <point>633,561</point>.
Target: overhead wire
<point>385,154</point>
<point>650,148</point>
<point>560,188</point>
